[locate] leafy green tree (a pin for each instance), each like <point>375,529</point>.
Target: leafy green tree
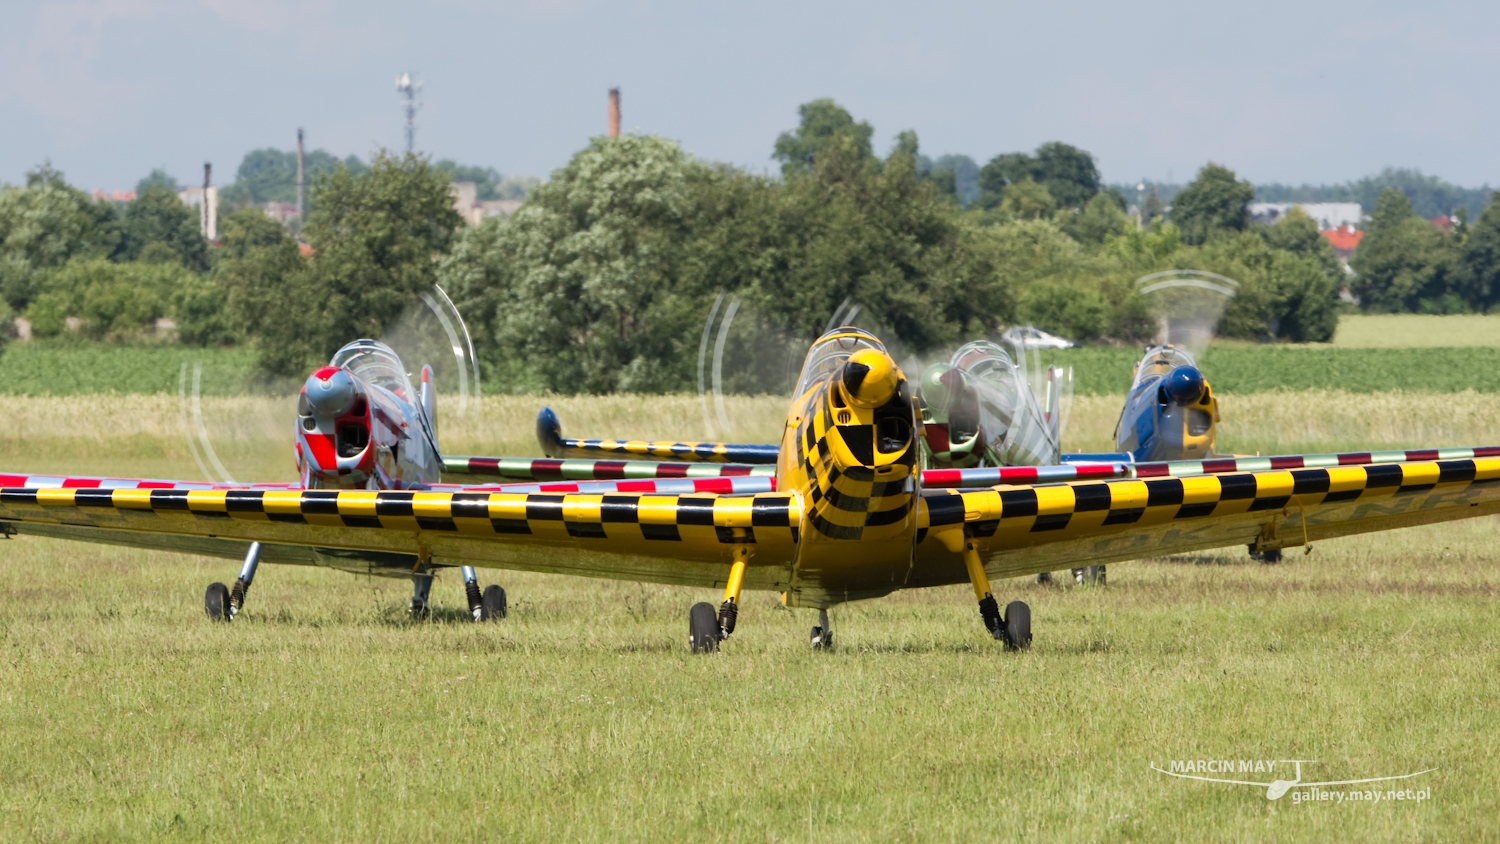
<point>1027,199</point>
<point>590,287</point>
<point>376,240</point>
<point>822,121</point>
<point>1099,220</point>
<point>879,234</point>
<point>46,224</point>
<point>112,301</point>
<point>159,216</point>
<point>603,280</point>
<point>1404,263</point>
<point>1298,234</point>
<point>1479,262</point>
<point>1213,202</point>
<point>1068,173</point>
<point>996,175</point>
<point>965,175</point>
<point>254,273</point>
<point>157,178</point>
<point>270,175</point>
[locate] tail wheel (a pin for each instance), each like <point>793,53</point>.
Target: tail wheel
<point>492,605</point>
<point>703,628</point>
<point>822,639</point>
<point>216,602</point>
<point>1017,626</point>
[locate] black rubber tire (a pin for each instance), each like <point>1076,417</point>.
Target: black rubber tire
<point>216,602</point>
<point>703,628</point>
<point>1271,557</point>
<point>1017,626</point>
<point>1044,577</point>
<point>492,606</point>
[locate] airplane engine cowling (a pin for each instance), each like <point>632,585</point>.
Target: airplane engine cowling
<point>333,430</point>
<point>1183,385</point>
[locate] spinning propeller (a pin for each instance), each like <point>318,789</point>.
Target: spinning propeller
<point>237,430</point>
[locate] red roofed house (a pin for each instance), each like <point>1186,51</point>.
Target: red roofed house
<point>1344,239</point>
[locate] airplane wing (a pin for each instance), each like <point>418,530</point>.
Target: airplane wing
<point>683,539</point>
<point>1023,530</point>
<point>554,444</point>
<point>551,469</point>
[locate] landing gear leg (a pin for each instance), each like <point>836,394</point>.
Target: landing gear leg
<point>242,583</point>
<point>471,591</point>
<point>483,606</point>
<point>822,635</point>
<point>421,593</point>
<point>223,604</point>
<point>1014,628</point>
<point>729,610</point>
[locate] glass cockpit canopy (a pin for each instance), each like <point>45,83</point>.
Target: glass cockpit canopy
<point>829,353</point>
<point>1158,361</point>
<point>373,362</point>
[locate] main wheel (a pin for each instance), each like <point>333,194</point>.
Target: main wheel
<point>703,628</point>
<point>216,602</point>
<point>1271,557</point>
<point>492,605</point>
<point>1017,626</point>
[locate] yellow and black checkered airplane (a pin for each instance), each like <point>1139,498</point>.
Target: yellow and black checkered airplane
<point>848,518</point>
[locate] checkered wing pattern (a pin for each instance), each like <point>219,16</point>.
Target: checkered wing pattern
<point>656,537</point>
<point>1027,529</point>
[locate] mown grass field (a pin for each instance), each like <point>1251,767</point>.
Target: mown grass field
<point>323,714</point>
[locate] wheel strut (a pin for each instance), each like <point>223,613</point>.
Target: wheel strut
<point>471,591</point>
<point>729,611</point>
<point>242,583</point>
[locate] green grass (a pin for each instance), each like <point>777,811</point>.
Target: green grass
<point>322,714</point>
<point>1371,354</point>
<point>35,369</point>
<point>1255,369</point>
<point>1390,331</point>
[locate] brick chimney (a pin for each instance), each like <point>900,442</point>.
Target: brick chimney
<point>614,112</point>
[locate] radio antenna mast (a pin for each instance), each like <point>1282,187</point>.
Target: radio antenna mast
<point>410,90</point>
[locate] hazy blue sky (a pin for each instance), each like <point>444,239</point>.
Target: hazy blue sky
<point>1292,92</point>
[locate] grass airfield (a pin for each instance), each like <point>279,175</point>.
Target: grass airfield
<point>323,714</point>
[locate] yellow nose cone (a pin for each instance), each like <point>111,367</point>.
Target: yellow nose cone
<point>869,378</point>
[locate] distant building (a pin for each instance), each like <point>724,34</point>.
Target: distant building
<point>1328,215</point>
<point>1344,240</point>
<point>281,212</point>
<point>208,223</point>
<point>467,203</point>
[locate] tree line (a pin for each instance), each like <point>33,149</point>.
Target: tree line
<point>604,278</point>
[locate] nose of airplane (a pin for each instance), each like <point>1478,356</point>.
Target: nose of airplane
<point>1184,385</point>
<point>869,378</point>
<point>330,391</point>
